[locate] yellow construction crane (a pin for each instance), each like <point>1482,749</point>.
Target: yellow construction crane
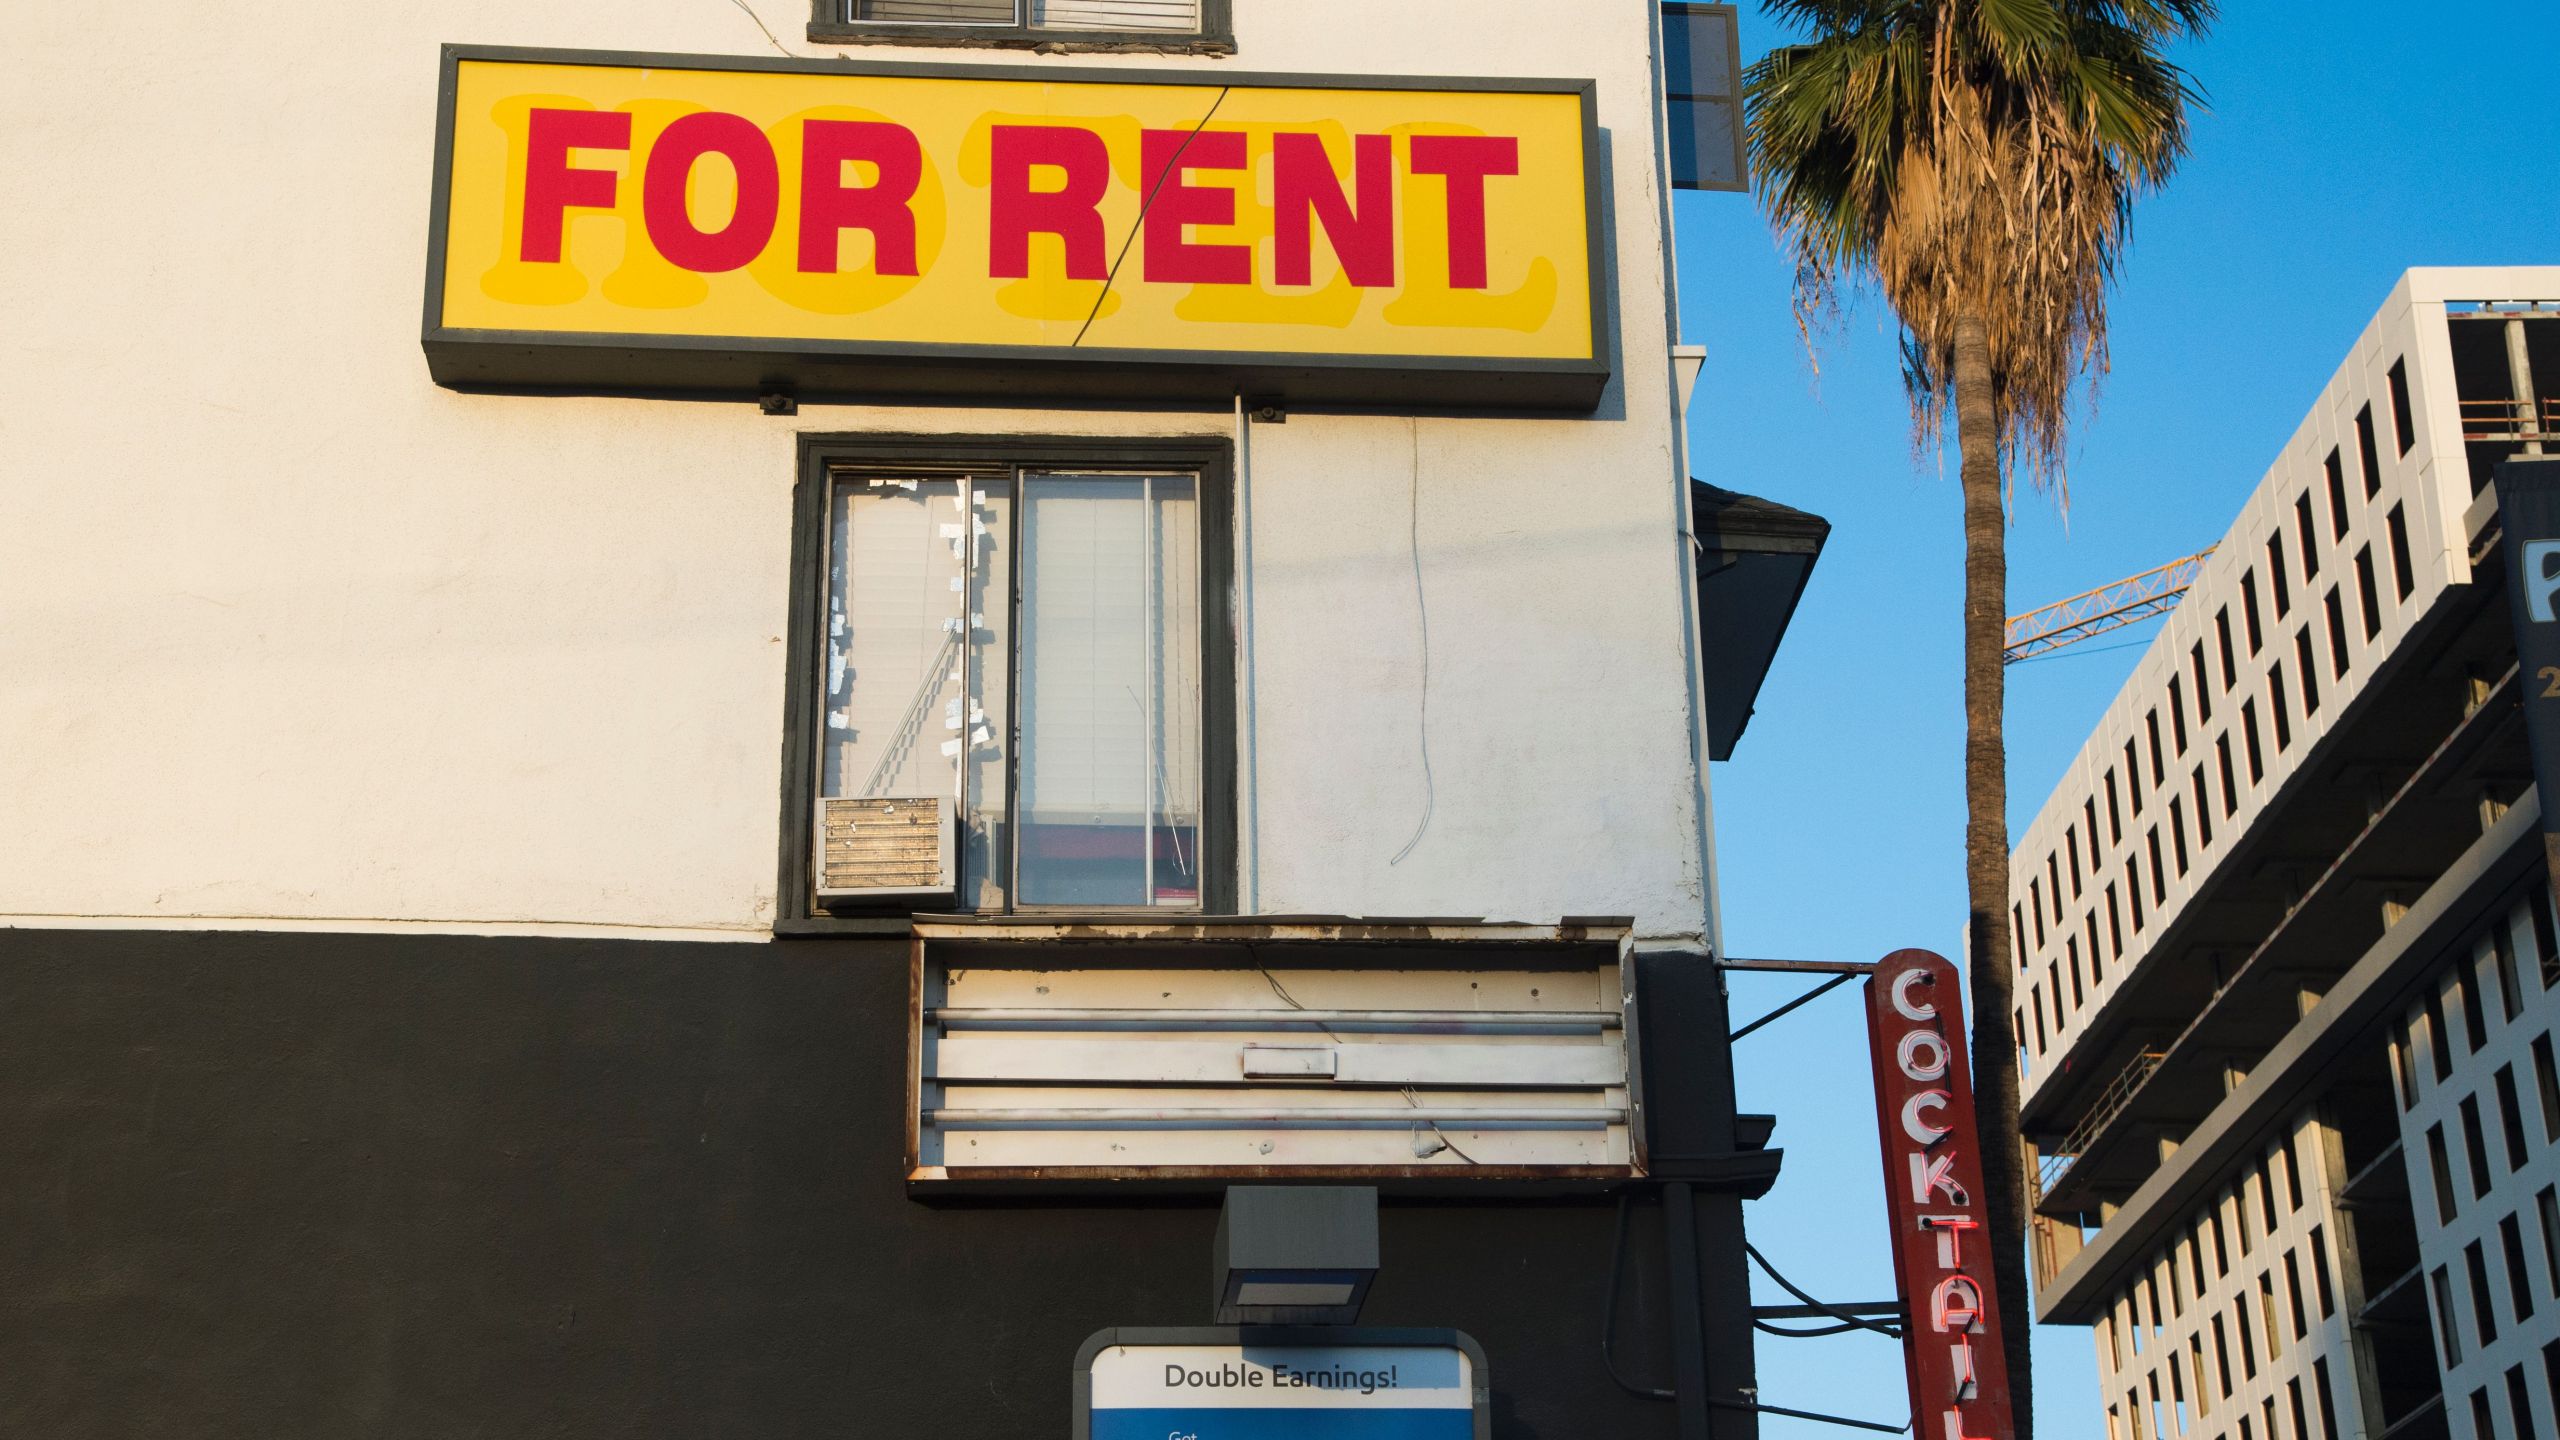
<point>2095,612</point>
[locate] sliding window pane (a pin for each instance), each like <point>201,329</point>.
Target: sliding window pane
<point>983,835</point>
<point>1109,676</point>
<point>938,12</point>
<point>890,649</point>
<point>916,614</point>
<point>1173,17</point>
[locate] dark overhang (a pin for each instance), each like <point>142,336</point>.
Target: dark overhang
<point>1754,557</point>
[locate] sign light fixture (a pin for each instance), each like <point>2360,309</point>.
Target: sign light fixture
<point>1295,1255</point>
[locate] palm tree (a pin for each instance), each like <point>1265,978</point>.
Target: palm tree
<point>1977,162</point>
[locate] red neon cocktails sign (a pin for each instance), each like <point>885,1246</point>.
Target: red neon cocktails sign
<point>1933,1192</point>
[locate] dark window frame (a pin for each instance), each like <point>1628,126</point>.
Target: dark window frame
<point>2404,581</point>
<point>1213,458</point>
<point>2365,453</point>
<point>2475,1147</point>
<point>2511,1119</point>
<point>2320,1274</point>
<point>2367,594</point>
<point>2403,426</point>
<point>2484,1309</point>
<point>831,23</point>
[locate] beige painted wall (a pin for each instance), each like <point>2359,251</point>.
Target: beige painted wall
<point>290,635</point>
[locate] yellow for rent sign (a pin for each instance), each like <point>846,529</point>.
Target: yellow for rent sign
<point>687,223</point>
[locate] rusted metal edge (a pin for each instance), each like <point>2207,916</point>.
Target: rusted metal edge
<point>1258,1019</point>
<point>936,1175</point>
<point>1301,929</point>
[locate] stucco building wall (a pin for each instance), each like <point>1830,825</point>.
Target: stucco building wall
<point>298,637</point>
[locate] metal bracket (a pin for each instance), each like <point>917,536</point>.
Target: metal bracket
<point>1748,1173</point>
<point>1800,967</point>
<point>1864,1309</point>
<point>1807,998</point>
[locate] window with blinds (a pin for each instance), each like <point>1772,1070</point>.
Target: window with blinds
<point>1027,644</point>
<point>1169,17</point>
<point>1702,91</point>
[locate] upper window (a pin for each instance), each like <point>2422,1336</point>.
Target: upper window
<point>1702,88</point>
<point>1190,24</point>
<point>1012,679</point>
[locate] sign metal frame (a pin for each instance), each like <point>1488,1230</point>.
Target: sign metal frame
<point>2528,491</point>
<point>723,366</point>
<point>1283,1336</point>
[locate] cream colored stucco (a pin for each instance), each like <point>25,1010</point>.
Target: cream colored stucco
<point>290,634</point>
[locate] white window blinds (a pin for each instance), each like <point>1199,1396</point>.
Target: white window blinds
<point>917,610</point>
<point>1176,17</point>
<point>1702,79</point>
<point>922,664</point>
<point>1110,691</point>
<point>939,12</point>
<point>895,641</point>
<point>1170,16</point>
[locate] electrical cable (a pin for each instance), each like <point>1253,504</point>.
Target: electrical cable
<point>1422,613</point>
<point>1609,1316</point>
<point>1815,1415</point>
<point>1843,1328</point>
<point>1852,1322</point>
<point>1170,166</point>
<point>768,34</point>
<point>1609,1340</point>
<point>1409,1097</point>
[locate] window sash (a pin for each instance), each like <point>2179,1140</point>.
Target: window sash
<point>934,12</point>
<point>981,631</point>
<point>1107,679</point>
<point>1137,17</point>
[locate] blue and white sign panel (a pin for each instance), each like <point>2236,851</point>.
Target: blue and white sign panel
<point>1247,1391</point>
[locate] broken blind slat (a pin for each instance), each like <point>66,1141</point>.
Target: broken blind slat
<point>1702,83</point>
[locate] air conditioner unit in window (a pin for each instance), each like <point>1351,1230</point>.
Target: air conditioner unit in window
<point>885,847</point>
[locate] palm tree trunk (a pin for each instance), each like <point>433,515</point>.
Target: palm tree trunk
<point>1986,854</point>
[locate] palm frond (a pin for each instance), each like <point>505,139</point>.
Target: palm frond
<point>1974,158</point>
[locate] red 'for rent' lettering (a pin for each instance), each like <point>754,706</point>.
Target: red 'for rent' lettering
<point>663,182</point>
<point>1072,166</point>
<point>552,184</point>
<point>1467,160</point>
<point>828,206</point>
<point>1305,192</point>
<point>1165,156</point>
<point>1016,212</point>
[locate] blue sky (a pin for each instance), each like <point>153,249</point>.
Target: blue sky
<point>2343,144</point>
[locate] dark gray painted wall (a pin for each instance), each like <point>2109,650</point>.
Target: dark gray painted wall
<point>328,1186</point>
